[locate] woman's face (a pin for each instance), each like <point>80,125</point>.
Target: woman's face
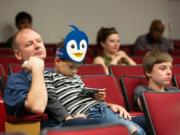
<point>111,44</point>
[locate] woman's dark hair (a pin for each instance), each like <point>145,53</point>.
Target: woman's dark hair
<point>103,33</point>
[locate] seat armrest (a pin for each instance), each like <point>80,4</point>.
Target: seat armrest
<point>26,118</point>
<point>134,114</point>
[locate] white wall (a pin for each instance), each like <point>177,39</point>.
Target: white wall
<point>52,17</point>
<point>174,10</point>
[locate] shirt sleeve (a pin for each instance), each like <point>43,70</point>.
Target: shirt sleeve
<point>15,93</point>
<point>141,43</point>
<point>172,89</point>
<point>138,93</point>
<point>54,106</point>
<point>168,44</point>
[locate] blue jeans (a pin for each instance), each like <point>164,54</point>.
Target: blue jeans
<point>140,120</point>
<point>102,111</point>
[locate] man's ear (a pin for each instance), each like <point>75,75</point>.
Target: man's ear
<point>57,60</point>
<point>17,54</point>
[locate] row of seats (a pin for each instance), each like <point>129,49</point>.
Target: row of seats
<point>156,113</point>
<point>115,96</point>
<point>97,81</point>
<point>84,69</point>
<point>122,95</point>
<point>101,81</point>
<point>121,74</point>
<point>8,60</point>
<point>162,112</point>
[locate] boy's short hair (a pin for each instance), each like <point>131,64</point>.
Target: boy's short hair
<point>153,57</point>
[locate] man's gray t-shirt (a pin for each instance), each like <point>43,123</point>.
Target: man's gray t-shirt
<point>141,88</point>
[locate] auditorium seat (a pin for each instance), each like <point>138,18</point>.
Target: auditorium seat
<point>162,112</point>
<point>91,69</point>
<point>113,94</point>
<point>128,84</point>
<point>121,70</point>
<point>6,51</point>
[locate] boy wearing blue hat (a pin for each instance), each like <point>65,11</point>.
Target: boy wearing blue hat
<point>66,99</point>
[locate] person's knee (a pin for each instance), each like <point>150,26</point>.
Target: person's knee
<point>138,131</point>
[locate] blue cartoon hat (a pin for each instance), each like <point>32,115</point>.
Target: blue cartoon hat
<point>75,46</point>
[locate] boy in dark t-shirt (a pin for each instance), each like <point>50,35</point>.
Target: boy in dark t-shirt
<point>158,70</point>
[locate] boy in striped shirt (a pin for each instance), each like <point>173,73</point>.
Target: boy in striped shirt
<point>65,88</point>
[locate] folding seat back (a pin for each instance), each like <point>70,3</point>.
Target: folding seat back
<point>51,46</point>
<point>49,59</point>
<point>113,94</point>
<point>91,69</point>
<point>137,59</point>
<point>176,80</point>
<point>6,51</point>
<point>2,85</point>
<point>119,70</point>
<point>128,48</point>
<point>2,71</point>
<point>175,53</point>
<point>3,78</point>
<point>2,44</point>
<point>85,69</point>
<point>176,60</point>
<point>50,52</point>
<point>139,52</point>
<point>90,54</point>
<point>176,69</point>
<point>93,130</point>
<point>128,84</point>
<point>6,60</point>
<point>162,112</point>
<point>15,68</point>
<point>2,115</point>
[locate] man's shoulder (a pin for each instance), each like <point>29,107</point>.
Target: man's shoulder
<point>166,41</point>
<point>141,40</point>
<point>52,74</point>
<point>142,37</point>
<point>21,74</point>
<point>141,87</point>
<point>48,71</point>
